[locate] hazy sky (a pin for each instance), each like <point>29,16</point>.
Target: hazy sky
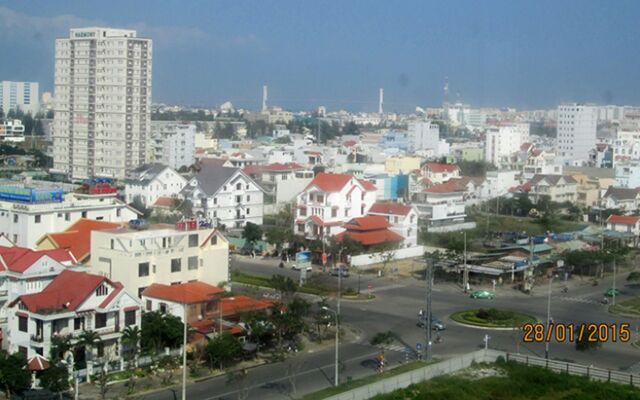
<point>338,53</point>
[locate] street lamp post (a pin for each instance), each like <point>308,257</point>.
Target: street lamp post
<point>546,343</point>
<point>427,321</point>
<point>336,381</point>
<point>465,274</point>
<point>613,292</point>
<point>184,353</point>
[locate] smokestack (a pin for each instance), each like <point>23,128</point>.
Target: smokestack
<point>381,101</point>
<point>265,95</point>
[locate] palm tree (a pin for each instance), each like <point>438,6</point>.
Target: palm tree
<point>88,340</point>
<point>60,346</point>
<point>131,338</point>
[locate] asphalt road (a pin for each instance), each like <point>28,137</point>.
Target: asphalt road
<point>395,309</point>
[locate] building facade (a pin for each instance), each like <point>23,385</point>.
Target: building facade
<point>576,132</point>
<point>102,103</point>
<point>150,182</point>
<point>21,96</point>
<point>174,144</point>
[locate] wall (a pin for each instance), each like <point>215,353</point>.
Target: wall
<point>374,258</point>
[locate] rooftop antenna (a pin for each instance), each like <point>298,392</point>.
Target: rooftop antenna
<point>265,95</point>
<point>381,102</point>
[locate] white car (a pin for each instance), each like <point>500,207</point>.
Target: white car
<point>296,268</point>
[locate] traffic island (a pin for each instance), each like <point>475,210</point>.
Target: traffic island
<point>492,318</point>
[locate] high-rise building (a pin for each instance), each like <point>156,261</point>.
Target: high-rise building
<point>102,103</point>
<point>576,132</point>
<point>504,140</point>
<point>174,143</point>
<point>424,135</point>
<point>19,95</point>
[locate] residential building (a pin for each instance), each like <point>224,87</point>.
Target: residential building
<point>624,223</point>
<point>27,214</point>
<point>540,162</point>
<point>442,204</point>
<point>329,201</point>
<point>626,146</point>
<point>174,143</point>
<point>498,183</point>
<point>95,304</point>
<point>390,187</point>
<point>424,135</point>
<point>628,173</point>
<point>625,200</point>
<point>273,173</point>
<point>227,196</point>
<point>403,220</point>
<point>102,103</point>
<point>401,165</point>
<point>370,231</point>
<point>439,173</point>
<point>76,239</point>
<point>557,188</point>
<point>160,253</point>
<point>11,130</point>
<point>504,140</point>
<point>592,183</point>
<point>395,140</point>
<point>21,96</point>
<point>152,181</point>
<point>576,132</point>
<point>195,300</point>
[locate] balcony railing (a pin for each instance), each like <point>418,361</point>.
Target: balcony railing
<point>37,338</point>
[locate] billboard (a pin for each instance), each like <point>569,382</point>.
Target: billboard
<point>303,259</point>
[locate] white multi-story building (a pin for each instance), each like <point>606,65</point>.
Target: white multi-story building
<point>540,162</point>
<point>503,141</point>
<point>424,135</point>
<point>439,172</point>
<point>402,218</point>
<point>94,303</point>
<point>576,132</point>
<point>19,95</point>
<point>11,131</point>
<point>227,196</point>
<point>174,144</point>
<point>102,103</point>
<point>626,146</point>
<point>160,254</point>
<point>558,188</point>
<point>150,182</point>
<point>24,221</point>
<point>628,173</point>
<point>329,201</point>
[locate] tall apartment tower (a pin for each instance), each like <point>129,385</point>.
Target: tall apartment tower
<point>102,107</point>
<point>21,96</point>
<point>576,132</point>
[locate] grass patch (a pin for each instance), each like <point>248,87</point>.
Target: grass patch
<point>519,382</point>
<point>492,318</point>
<point>333,390</point>
<point>631,306</point>
<point>263,281</point>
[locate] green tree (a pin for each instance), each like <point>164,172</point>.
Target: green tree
<point>634,277</point>
<point>252,233</point>
<point>139,205</point>
<point>278,237</point>
<point>284,285</point>
<point>14,374</point>
<point>56,379</point>
<point>160,331</point>
<point>131,340</point>
<point>60,346</point>
<point>287,323</point>
<point>259,329</point>
<point>88,340</point>
<point>223,349</point>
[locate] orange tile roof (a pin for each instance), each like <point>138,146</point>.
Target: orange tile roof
<point>623,219</point>
<point>241,304</point>
<point>77,237</point>
<point>390,208</point>
<point>330,182</point>
<point>441,167</point>
<point>164,202</point>
<point>19,259</point>
<point>371,222</point>
<point>367,185</point>
<point>370,238</point>
<point>189,293</point>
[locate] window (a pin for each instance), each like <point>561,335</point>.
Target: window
<point>100,349</point>
<point>238,199</point>
<point>300,228</point>
<point>140,290</point>
<point>163,308</point>
<point>101,320</point>
<point>303,212</point>
<point>143,269</point>
<point>214,240</point>
<point>37,219</point>
<point>130,317</point>
<point>112,243</point>
<point>176,265</point>
<point>118,212</point>
<point>248,198</point>
<point>239,186</point>
<point>149,305</point>
<point>334,212</point>
<point>193,240</point>
<point>248,209</point>
<point>23,324</point>
<point>102,290</point>
<point>192,262</point>
<point>78,324</point>
<point>15,218</point>
<point>67,216</point>
<point>84,214</point>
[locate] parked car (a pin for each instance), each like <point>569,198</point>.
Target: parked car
<point>296,268</point>
<point>340,271</point>
<point>436,324</point>
<point>483,294</point>
<point>611,291</point>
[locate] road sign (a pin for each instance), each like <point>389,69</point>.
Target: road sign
<point>418,346</point>
<point>303,259</point>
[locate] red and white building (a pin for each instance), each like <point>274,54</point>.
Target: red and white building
<point>624,223</point>
<point>370,231</point>
<point>439,172</point>
<point>402,218</point>
<point>329,201</point>
<point>72,303</point>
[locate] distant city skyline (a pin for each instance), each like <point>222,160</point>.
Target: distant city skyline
<point>338,54</point>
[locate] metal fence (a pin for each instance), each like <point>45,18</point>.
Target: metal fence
<point>454,364</point>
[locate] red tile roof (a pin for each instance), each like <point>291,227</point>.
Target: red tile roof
<point>440,167</point>
<point>623,219</point>
<point>118,287</point>
<point>390,208</point>
<point>371,222</point>
<point>283,167</point>
<point>164,202</point>
<point>330,182</point>
<point>367,185</point>
<point>77,237</point>
<point>371,238</point>
<point>189,293</point>
<point>349,143</point>
<point>67,291</point>
<point>19,259</point>
<point>37,363</point>
<point>450,186</point>
<point>241,304</point>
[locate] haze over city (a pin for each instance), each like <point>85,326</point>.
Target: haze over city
<point>494,53</point>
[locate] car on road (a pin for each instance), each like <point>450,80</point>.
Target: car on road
<point>611,291</point>
<point>340,271</point>
<point>436,324</point>
<point>482,294</point>
<point>296,268</point>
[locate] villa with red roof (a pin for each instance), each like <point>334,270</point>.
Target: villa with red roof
<point>370,231</point>
<point>403,219</point>
<point>624,223</point>
<point>329,201</point>
<point>439,172</point>
<point>72,303</point>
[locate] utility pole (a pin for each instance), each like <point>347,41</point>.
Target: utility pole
<point>336,376</point>
<point>613,297</point>
<point>427,322</point>
<point>184,354</point>
<point>465,273</point>
<point>546,342</point>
